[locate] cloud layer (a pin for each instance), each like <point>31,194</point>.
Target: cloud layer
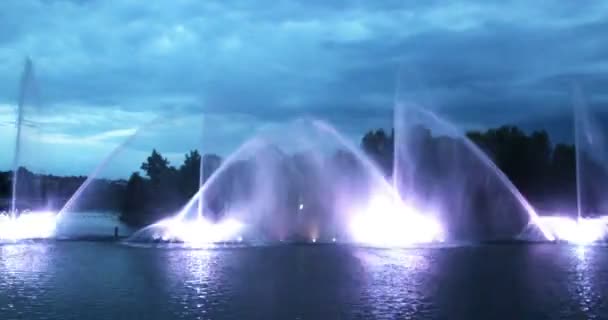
<point>103,68</point>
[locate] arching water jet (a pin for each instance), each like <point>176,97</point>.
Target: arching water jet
<point>411,149</point>
<point>289,187</point>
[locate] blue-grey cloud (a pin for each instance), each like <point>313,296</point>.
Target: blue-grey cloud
<point>106,68</point>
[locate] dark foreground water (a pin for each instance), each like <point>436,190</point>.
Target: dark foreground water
<point>89,280</point>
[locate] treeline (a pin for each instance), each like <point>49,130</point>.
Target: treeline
<point>437,166</point>
<point>165,188</point>
<point>441,168</point>
<point>51,192</point>
<point>545,173</point>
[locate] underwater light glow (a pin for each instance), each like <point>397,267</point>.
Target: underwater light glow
<point>579,231</point>
<point>27,225</point>
<point>200,230</point>
<point>386,222</point>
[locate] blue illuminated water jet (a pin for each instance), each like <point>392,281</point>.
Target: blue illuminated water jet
<point>590,223</point>
<point>20,223</point>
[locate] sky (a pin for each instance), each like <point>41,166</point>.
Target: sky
<point>184,74</point>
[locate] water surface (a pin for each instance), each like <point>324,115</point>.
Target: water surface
<point>104,280</point>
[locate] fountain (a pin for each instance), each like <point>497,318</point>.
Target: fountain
<point>298,182</point>
<point>22,223</point>
<point>434,163</point>
<point>302,181</point>
<point>26,78</point>
<point>307,183</point>
<point>588,224</point>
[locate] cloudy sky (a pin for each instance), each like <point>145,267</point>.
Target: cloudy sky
<point>224,69</point>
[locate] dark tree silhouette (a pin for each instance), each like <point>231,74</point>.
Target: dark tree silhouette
<point>379,146</point>
<point>189,173</point>
<point>543,172</point>
<point>155,167</point>
<point>133,209</point>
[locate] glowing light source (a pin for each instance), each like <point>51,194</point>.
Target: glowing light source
<point>301,207</point>
<point>579,231</point>
<point>27,225</point>
<point>387,222</point>
<point>200,230</point>
<point>314,240</point>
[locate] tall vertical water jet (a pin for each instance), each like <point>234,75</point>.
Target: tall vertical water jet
<point>26,78</point>
<point>22,223</point>
<point>578,108</point>
<point>201,174</point>
<point>591,222</point>
<point>591,159</point>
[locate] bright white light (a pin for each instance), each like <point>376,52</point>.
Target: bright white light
<point>200,230</point>
<point>301,207</point>
<point>387,222</point>
<point>579,231</point>
<point>27,225</point>
<point>314,240</point>
<point>239,239</point>
<point>333,239</point>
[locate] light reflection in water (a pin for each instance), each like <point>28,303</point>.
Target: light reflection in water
<point>195,272</point>
<point>23,272</point>
<point>394,282</point>
<point>19,260</point>
<point>584,288</point>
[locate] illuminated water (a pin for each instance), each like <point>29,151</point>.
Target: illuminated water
<point>436,162</point>
<point>97,280</point>
<point>300,180</point>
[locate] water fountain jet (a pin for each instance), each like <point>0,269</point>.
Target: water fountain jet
<point>591,158</point>
<point>17,224</point>
<point>416,153</point>
<point>292,189</point>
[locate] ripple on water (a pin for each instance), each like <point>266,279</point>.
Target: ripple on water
<point>88,280</point>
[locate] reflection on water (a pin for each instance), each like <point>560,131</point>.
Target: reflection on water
<point>582,282</point>
<point>23,259</point>
<point>101,280</point>
<point>195,282</point>
<point>23,269</point>
<point>394,287</point>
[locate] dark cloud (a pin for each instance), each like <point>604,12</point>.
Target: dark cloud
<point>107,67</point>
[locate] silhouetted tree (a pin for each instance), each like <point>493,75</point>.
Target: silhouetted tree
<point>135,201</point>
<point>379,146</point>
<point>541,171</point>
<point>189,173</point>
<point>155,166</point>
